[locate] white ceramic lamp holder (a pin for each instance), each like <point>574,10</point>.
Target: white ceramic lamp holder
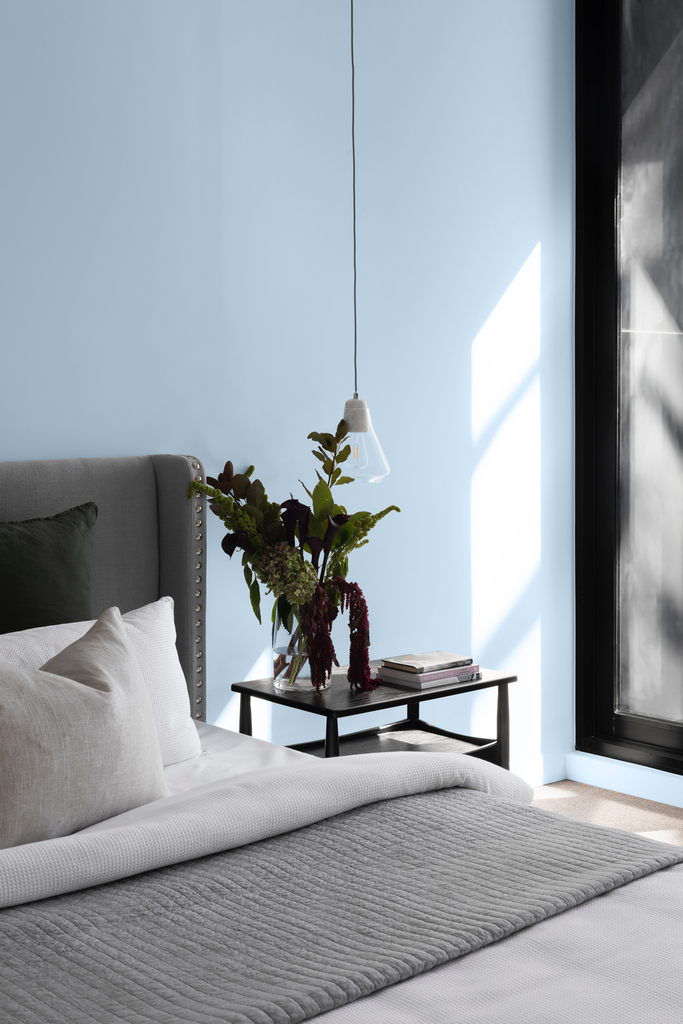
<point>367,462</point>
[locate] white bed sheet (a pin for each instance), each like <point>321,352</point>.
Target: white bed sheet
<point>614,960</point>
<point>225,753</point>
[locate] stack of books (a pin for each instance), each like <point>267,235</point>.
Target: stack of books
<point>434,668</point>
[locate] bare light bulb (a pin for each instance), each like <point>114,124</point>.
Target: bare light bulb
<point>366,463</point>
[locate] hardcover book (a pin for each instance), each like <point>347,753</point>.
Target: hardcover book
<point>444,673</point>
<point>430,661</point>
<point>418,682</point>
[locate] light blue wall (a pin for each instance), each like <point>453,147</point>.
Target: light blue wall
<point>175,266</point>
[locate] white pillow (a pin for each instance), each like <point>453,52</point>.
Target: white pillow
<point>152,635</point>
<point>77,738</point>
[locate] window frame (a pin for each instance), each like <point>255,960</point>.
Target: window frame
<point>599,728</point>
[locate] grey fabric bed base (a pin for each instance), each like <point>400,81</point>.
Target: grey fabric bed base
<point>147,543</point>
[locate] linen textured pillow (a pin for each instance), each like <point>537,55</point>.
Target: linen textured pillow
<point>45,569</point>
<point>78,742</point>
<point>151,631</point>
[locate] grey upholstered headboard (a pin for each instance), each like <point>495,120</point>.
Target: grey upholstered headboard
<point>149,540</point>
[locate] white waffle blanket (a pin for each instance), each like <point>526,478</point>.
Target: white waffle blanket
<point>234,812</point>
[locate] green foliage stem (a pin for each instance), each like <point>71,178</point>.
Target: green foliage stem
<point>331,453</point>
<point>339,559</point>
<point>268,555</point>
<point>234,515</point>
<point>224,500</point>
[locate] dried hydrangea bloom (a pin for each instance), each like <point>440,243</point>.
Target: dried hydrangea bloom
<point>284,572</point>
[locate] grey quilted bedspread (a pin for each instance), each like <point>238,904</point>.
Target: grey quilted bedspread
<point>291,926</point>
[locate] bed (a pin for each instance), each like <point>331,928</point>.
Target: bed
<point>264,885</point>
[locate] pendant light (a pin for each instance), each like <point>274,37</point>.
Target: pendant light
<point>367,463</point>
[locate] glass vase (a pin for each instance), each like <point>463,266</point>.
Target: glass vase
<point>291,668</point>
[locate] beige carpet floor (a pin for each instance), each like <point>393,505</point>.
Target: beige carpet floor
<point>602,806</point>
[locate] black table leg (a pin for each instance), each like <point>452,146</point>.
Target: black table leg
<point>413,714</point>
<point>245,714</point>
<point>503,726</point>
<point>332,738</point>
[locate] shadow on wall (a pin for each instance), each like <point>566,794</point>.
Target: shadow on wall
<point>505,504</point>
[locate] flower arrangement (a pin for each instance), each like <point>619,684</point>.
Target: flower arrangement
<point>300,554</point>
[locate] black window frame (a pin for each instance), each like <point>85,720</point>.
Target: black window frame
<point>599,728</point>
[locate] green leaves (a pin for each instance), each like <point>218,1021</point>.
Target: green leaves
<point>276,533</point>
<point>254,590</point>
<point>256,494</point>
<point>317,527</point>
<point>242,505</point>
<point>255,513</point>
<point>331,454</point>
<point>255,595</point>
<point>323,502</point>
<point>344,533</point>
<point>326,441</point>
<point>323,508</point>
<point>351,536</point>
<point>332,468</point>
<point>285,613</point>
<point>240,485</point>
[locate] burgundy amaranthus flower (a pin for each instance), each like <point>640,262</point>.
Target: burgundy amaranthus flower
<point>320,614</point>
<point>359,673</point>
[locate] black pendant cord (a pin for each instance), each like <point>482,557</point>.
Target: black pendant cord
<point>353,155</point>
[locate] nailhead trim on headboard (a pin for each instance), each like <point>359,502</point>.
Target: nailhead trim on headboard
<point>199,509</point>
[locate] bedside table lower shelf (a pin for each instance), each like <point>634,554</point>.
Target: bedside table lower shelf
<point>405,735</point>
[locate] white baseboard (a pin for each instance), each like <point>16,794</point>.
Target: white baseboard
<point>540,770</point>
<point>624,777</point>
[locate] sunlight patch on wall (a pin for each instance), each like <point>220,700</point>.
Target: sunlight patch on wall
<point>506,517</point>
<point>506,483</point>
<point>508,346</point>
<point>261,710</point>
<point>506,511</point>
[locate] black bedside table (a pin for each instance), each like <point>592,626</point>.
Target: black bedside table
<point>339,701</point>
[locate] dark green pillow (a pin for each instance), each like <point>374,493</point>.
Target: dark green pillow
<point>45,569</point>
